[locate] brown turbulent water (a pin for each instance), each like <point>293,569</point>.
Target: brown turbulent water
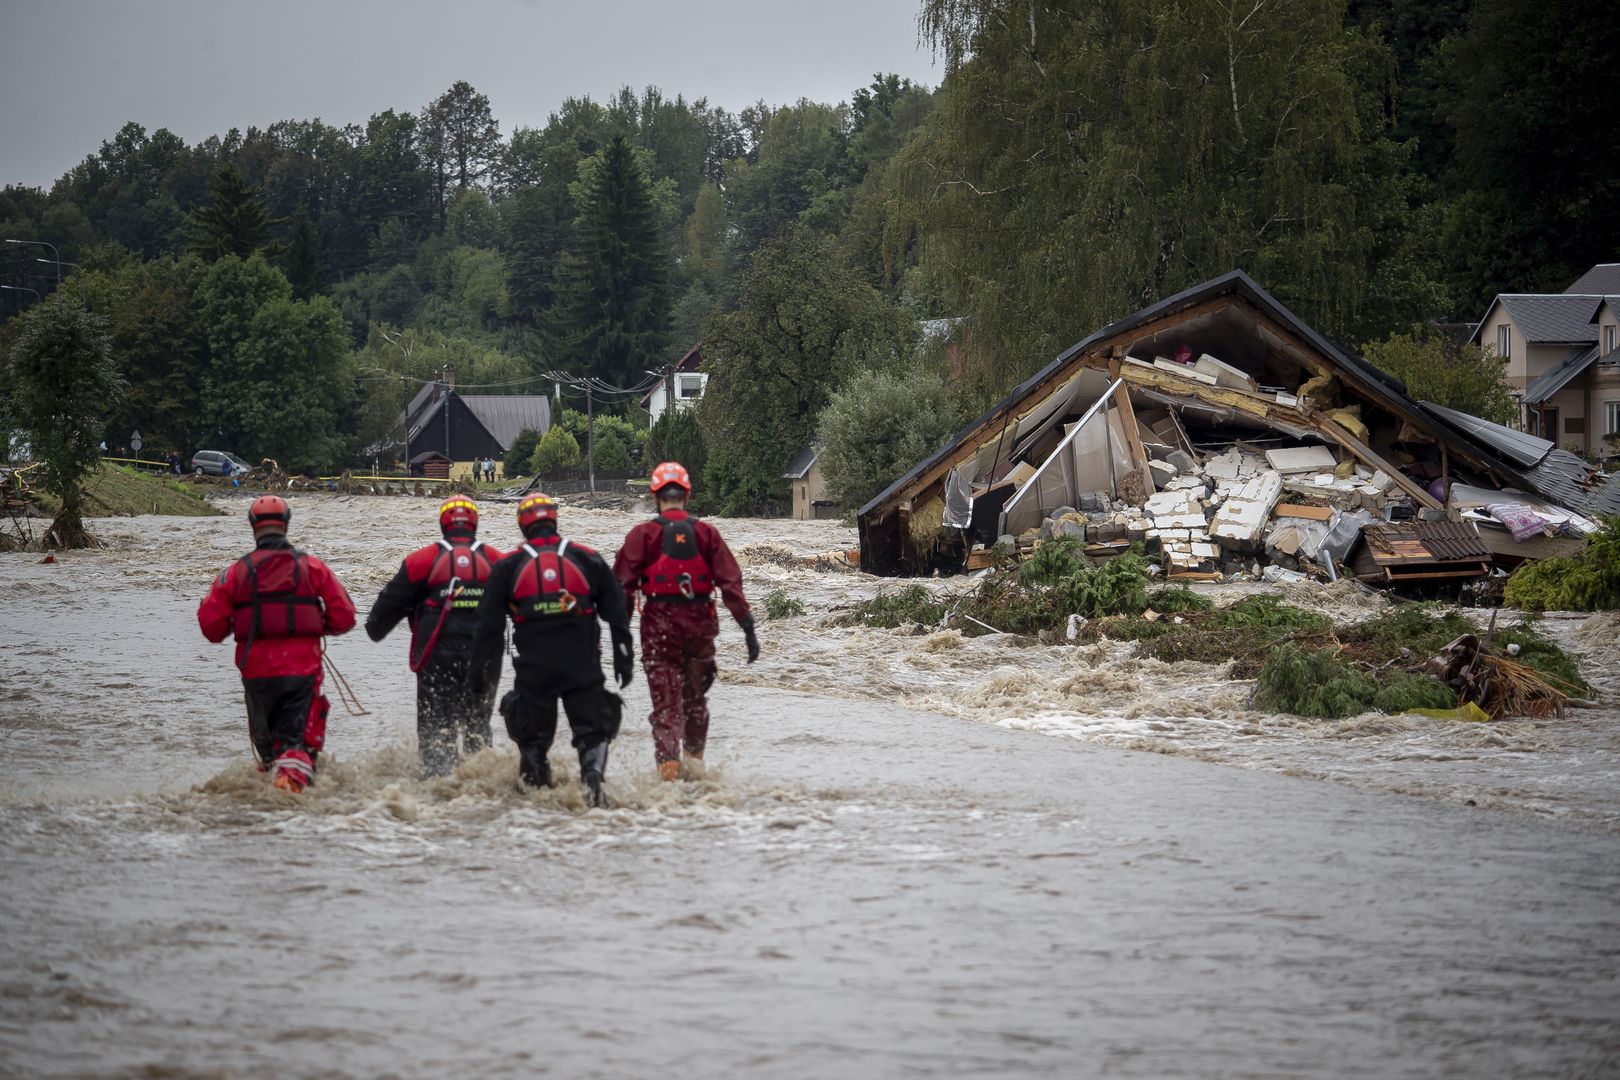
<point>915,855</point>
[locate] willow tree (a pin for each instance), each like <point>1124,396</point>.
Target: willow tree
<point>62,380</point>
<point>1090,158</point>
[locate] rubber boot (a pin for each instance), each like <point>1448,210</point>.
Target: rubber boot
<point>533,768</point>
<point>592,768</point>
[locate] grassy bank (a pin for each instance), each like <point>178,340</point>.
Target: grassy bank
<point>119,491</point>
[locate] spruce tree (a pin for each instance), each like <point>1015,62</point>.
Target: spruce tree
<point>303,256</point>
<point>614,293</point>
<point>236,221</point>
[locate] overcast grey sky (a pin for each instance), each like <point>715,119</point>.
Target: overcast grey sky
<point>73,71</point>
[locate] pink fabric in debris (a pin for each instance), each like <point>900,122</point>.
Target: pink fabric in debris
<point>1520,520</point>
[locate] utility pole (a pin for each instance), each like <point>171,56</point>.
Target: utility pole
<point>590,437</point>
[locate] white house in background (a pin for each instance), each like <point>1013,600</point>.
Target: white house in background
<point>689,384</point>
<point>1563,354</point>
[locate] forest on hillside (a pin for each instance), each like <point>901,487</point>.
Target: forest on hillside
<point>1377,165</point>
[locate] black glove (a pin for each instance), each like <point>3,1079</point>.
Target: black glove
<point>624,660</point>
<point>750,637</point>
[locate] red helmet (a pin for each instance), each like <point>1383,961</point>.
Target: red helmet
<point>458,515</point>
<point>671,472</point>
<point>534,509</point>
<point>269,511</point>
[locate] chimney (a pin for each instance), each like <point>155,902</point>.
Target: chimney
<point>450,377</point>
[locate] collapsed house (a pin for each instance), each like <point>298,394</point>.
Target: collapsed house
<point>1230,438</point>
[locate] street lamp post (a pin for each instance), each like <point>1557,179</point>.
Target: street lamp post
<point>20,288</point>
<point>54,252</point>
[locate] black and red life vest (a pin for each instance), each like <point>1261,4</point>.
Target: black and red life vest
<point>456,579</point>
<point>680,574</point>
<point>275,597</point>
<point>550,586</point>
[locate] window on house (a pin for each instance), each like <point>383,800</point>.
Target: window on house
<point>1611,338</point>
<point>1611,411</point>
<point>1504,341</point>
<point>689,386</point>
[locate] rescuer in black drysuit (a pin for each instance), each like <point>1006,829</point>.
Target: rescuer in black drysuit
<point>438,588</point>
<point>555,591</point>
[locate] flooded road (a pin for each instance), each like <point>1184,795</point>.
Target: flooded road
<point>889,872</point>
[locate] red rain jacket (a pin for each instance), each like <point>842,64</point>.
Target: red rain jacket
<point>269,657</point>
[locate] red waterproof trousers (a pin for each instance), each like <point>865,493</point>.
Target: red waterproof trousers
<point>677,652</point>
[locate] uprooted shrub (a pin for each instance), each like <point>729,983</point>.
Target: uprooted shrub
<point>779,605</point>
<point>909,604</point>
<point>1308,682</point>
<point>1037,595</point>
<point>1589,581</point>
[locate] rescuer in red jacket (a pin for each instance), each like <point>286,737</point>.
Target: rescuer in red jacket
<point>679,564</point>
<point>438,588</point>
<point>555,592</point>
<point>279,603</point>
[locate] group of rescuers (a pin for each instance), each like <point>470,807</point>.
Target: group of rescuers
<point>457,595</point>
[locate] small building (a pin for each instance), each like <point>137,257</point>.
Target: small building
<point>687,382</point>
<point>465,428</point>
<point>810,499</point>
<point>1563,358</point>
<point>431,465</point>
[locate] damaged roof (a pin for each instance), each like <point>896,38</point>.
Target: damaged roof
<point>1558,476</point>
<point>1232,317</point>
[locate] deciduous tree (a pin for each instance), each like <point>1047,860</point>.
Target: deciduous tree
<point>62,380</point>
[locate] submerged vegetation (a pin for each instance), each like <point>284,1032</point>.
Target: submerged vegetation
<point>1303,662</point>
<point>1589,581</point>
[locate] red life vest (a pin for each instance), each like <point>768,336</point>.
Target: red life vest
<point>457,578</point>
<point>551,586</point>
<point>680,574</point>
<point>275,598</point>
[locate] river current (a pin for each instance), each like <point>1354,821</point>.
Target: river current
<point>914,855</point>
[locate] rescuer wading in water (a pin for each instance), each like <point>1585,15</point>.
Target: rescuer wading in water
<point>437,589</point>
<point>679,564</point>
<point>279,603</point>
<point>555,591</point>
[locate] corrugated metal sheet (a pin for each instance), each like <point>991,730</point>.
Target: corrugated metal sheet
<point>1517,446</point>
<point>1559,375</point>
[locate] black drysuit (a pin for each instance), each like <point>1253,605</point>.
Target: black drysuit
<point>448,710</point>
<point>558,656</point>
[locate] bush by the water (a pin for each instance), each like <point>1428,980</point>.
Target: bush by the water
<point>1313,683</point>
<point>779,605</point>
<point>1589,581</point>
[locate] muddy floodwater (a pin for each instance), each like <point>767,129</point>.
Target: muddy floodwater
<point>915,855</point>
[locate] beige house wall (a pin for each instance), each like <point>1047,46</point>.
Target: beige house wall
<point>1608,324</point>
<point>1497,318</point>
<point>807,491</point>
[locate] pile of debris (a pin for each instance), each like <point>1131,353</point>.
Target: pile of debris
<point>1279,513</point>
